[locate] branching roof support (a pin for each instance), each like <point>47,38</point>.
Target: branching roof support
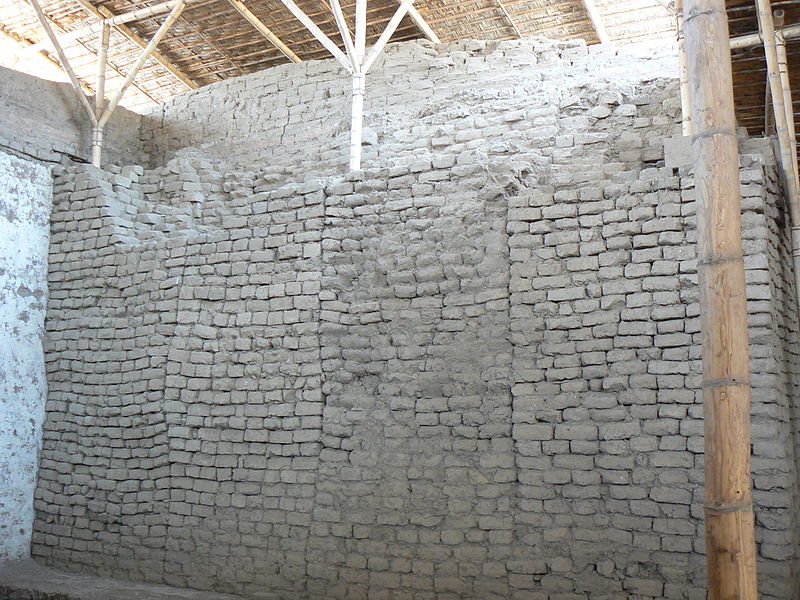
<point>99,114</point>
<point>136,15</point>
<point>151,46</point>
<point>264,30</point>
<point>101,12</point>
<point>318,33</point>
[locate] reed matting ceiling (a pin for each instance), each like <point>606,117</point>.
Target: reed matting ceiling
<point>211,41</point>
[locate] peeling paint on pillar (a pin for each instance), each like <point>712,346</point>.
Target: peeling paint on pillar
<point>25,203</point>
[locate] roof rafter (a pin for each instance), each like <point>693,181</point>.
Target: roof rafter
<point>508,17</point>
<point>264,30</point>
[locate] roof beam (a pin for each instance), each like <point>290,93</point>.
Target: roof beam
<point>509,18</point>
<point>754,39</point>
<point>264,30</point>
<point>597,21</point>
<point>101,12</point>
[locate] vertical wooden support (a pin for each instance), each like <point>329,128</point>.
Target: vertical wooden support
<point>779,111</point>
<point>730,545</point>
<point>788,104</point>
<point>356,124</point>
<point>359,83</point>
<point>686,107</point>
<point>99,96</point>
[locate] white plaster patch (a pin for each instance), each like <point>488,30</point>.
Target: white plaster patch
<point>25,204</point>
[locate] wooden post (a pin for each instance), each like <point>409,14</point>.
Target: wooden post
<point>779,111</point>
<point>730,545</point>
<point>99,95</point>
<point>788,104</point>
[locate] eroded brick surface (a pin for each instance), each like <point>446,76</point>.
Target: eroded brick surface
<point>472,374</point>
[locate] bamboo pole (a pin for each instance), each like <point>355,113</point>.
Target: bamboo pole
<point>767,30</point>
<point>361,31</point>
<point>356,121</point>
<point>754,39</point>
<point>359,83</point>
<point>730,545</point>
<point>341,24</point>
<point>509,18</point>
<point>391,27</point>
<point>423,25</point>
